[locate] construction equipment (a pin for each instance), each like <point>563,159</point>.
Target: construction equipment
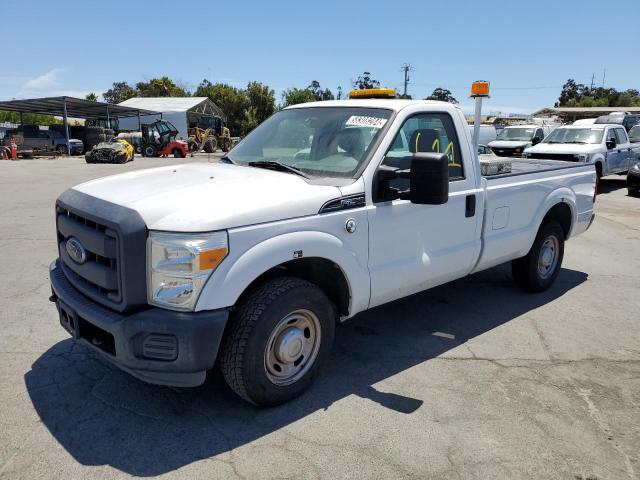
<point>209,134</point>
<point>159,140</point>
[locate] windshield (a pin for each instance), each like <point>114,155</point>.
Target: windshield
<point>516,134</point>
<point>575,135</point>
<point>110,145</point>
<point>319,141</point>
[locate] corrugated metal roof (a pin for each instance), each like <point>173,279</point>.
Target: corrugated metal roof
<point>75,107</point>
<point>164,104</point>
<point>602,110</point>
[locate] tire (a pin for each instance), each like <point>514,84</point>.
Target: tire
<point>211,145</point>
<point>537,271</point>
<point>177,153</point>
<point>149,151</point>
<point>226,145</point>
<point>281,311</point>
<point>61,149</point>
<point>633,192</point>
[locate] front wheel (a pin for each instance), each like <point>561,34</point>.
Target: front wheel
<point>149,151</point>
<point>536,271</point>
<point>177,153</point>
<point>633,192</point>
<point>279,337</point>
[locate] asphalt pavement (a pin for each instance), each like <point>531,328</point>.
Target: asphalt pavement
<point>473,379</point>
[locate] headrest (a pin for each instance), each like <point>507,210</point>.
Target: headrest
<point>350,140</point>
<point>422,140</point>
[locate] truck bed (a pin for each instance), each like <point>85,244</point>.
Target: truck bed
<point>522,167</point>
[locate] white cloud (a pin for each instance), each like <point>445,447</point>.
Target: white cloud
<point>42,82</point>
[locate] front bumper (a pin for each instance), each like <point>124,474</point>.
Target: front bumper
<point>155,345</point>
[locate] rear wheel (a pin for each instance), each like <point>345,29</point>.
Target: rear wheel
<point>634,192</point>
<point>537,271</point>
<point>177,153</point>
<point>61,149</point>
<point>279,337</point>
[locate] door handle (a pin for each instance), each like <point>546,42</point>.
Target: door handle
<point>470,206</point>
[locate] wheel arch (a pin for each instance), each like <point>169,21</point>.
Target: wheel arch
<point>323,260</point>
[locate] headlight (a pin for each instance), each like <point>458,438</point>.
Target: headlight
<point>583,157</point>
<point>179,264</point>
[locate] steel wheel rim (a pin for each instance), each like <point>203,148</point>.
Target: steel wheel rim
<point>548,257</point>
<point>292,347</point>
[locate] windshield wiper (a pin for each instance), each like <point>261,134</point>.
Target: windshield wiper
<point>279,166</point>
<point>575,141</point>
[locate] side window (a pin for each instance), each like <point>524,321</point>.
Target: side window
<point>611,135</point>
<point>622,135</point>
<point>426,132</point>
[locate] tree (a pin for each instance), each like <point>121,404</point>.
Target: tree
<point>262,99</point>
<point>319,93</point>
<point>578,95</point>
<point>91,96</point>
<point>443,95</point>
<point>29,118</point>
<point>365,81</point>
<point>119,92</point>
<point>293,96</point>
<point>231,100</point>
<point>161,87</point>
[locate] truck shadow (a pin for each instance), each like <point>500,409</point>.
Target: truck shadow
<point>611,184</point>
<point>102,416</point>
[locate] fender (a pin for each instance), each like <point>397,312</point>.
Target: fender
<point>230,280</point>
<point>561,195</point>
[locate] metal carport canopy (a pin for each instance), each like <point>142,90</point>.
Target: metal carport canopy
<point>72,107</point>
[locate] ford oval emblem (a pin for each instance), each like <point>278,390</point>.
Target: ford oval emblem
<point>76,251</point>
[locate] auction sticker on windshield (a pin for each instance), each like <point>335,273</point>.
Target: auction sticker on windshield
<point>364,121</point>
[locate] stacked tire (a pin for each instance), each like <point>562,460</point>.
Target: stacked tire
<point>94,136</point>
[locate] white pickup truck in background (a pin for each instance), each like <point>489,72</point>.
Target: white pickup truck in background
<point>512,140</point>
<point>252,261</point>
<point>605,146</point>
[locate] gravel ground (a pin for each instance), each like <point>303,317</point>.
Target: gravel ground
<point>473,379</point>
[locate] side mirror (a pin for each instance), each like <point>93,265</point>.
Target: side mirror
<point>611,144</point>
<point>428,177</point>
<point>535,140</point>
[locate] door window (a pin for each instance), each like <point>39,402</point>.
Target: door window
<point>611,135</point>
<point>425,133</point>
<point>622,135</point>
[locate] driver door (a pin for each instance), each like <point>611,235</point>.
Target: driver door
<point>414,247</point>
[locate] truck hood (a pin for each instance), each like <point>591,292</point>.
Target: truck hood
<point>564,148</point>
<point>508,143</point>
<point>204,196</point>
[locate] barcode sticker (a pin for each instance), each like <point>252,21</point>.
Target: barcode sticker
<point>363,121</point>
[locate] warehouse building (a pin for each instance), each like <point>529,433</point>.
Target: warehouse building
<point>183,112</point>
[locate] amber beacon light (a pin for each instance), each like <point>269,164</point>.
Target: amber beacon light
<point>480,88</point>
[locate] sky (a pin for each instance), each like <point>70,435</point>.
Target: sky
<point>527,50</point>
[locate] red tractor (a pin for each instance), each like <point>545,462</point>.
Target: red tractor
<point>159,140</point>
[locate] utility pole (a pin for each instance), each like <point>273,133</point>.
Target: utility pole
<point>604,74</point>
<point>339,92</point>
<point>593,76</point>
<point>406,68</point>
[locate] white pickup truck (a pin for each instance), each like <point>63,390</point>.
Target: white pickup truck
<point>605,146</point>
<point>325,210</point>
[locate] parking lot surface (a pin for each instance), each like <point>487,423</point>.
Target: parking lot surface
<point>473,379</point>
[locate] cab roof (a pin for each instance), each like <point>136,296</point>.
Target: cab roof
<point>388,103</point>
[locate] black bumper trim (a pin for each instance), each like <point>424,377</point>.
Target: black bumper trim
<point>198,335</point>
